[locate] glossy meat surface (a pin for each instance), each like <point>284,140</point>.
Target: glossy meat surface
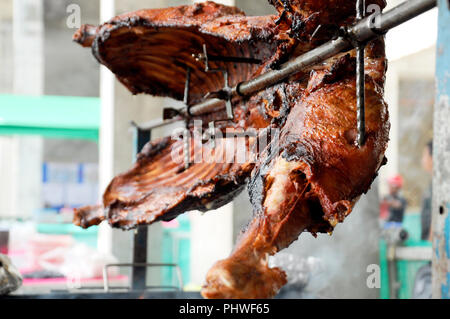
<point>149,50</point>
<point>159,188</point>
<point>88,216</point>
<point>313,176</point>
<point>322,11</point>
<point>319,20</point>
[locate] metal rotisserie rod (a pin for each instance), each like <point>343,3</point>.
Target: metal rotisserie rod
<point>139,274</point>
<point>363,31</point>
<point>360,80</point>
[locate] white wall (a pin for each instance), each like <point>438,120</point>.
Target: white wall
<point>410,52</point>
<point>21,60</point>
<point>20,176</point>
<point>413,36</point>
<point>28,37</point>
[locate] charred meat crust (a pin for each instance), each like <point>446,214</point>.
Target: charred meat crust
<point>149,50</point>
<point>314,180</point>
<point>294,13</point>
<point>164,58</point>
<point>157,188</point>
<point>89,216</point>
<point>311,150</point>
<point>224,192</point>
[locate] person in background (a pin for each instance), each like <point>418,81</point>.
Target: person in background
<point>427,165</point>
<point>395,202</point>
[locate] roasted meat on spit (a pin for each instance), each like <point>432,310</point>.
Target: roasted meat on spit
<point>307,178</point>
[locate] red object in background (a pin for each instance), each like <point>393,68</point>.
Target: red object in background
<point>384,211</point>
<point>396,180</point>
<point>4,240</point>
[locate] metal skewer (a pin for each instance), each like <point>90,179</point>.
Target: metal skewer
<point>361,32</point>
<point>225,93</point>
<point>187,136</point>
<point>360,80</point>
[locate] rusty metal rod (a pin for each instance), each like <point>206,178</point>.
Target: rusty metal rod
<point>365,30</point>
<point>360,80</point>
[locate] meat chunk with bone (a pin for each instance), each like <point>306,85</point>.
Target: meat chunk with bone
<point>310,181</point>
<point>307,179</point>
<point>149,51</point>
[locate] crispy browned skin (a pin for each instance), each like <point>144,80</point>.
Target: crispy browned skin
<point>313,181</point>
<point>88,216</point>
<point>316,21</point>
<point>159,188</point>
<point>318,173</point>
<point>318,12</point>
<point>308,180</point>
<point>334,11</point>
<point>149,50</point>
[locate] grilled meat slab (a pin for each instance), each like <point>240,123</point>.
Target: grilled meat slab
<point>312,179</point>
<point>149,50</point>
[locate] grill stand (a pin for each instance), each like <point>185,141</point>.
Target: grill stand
<point>139,266</point>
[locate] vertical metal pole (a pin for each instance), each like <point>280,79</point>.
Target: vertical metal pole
<point>139,274</point>
<point>392,270</point>
<point>441,160</point>
<point>187,137</point>
<point>360,80</point>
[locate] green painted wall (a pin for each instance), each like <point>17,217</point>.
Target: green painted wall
<point>50,116</point>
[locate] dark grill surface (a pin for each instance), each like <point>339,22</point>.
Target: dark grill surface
<point>128,295</point>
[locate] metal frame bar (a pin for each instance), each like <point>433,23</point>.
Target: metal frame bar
<point>360,80</point>
<point>225,93</point>
<point>441,160</point>
<point>139,274</point>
